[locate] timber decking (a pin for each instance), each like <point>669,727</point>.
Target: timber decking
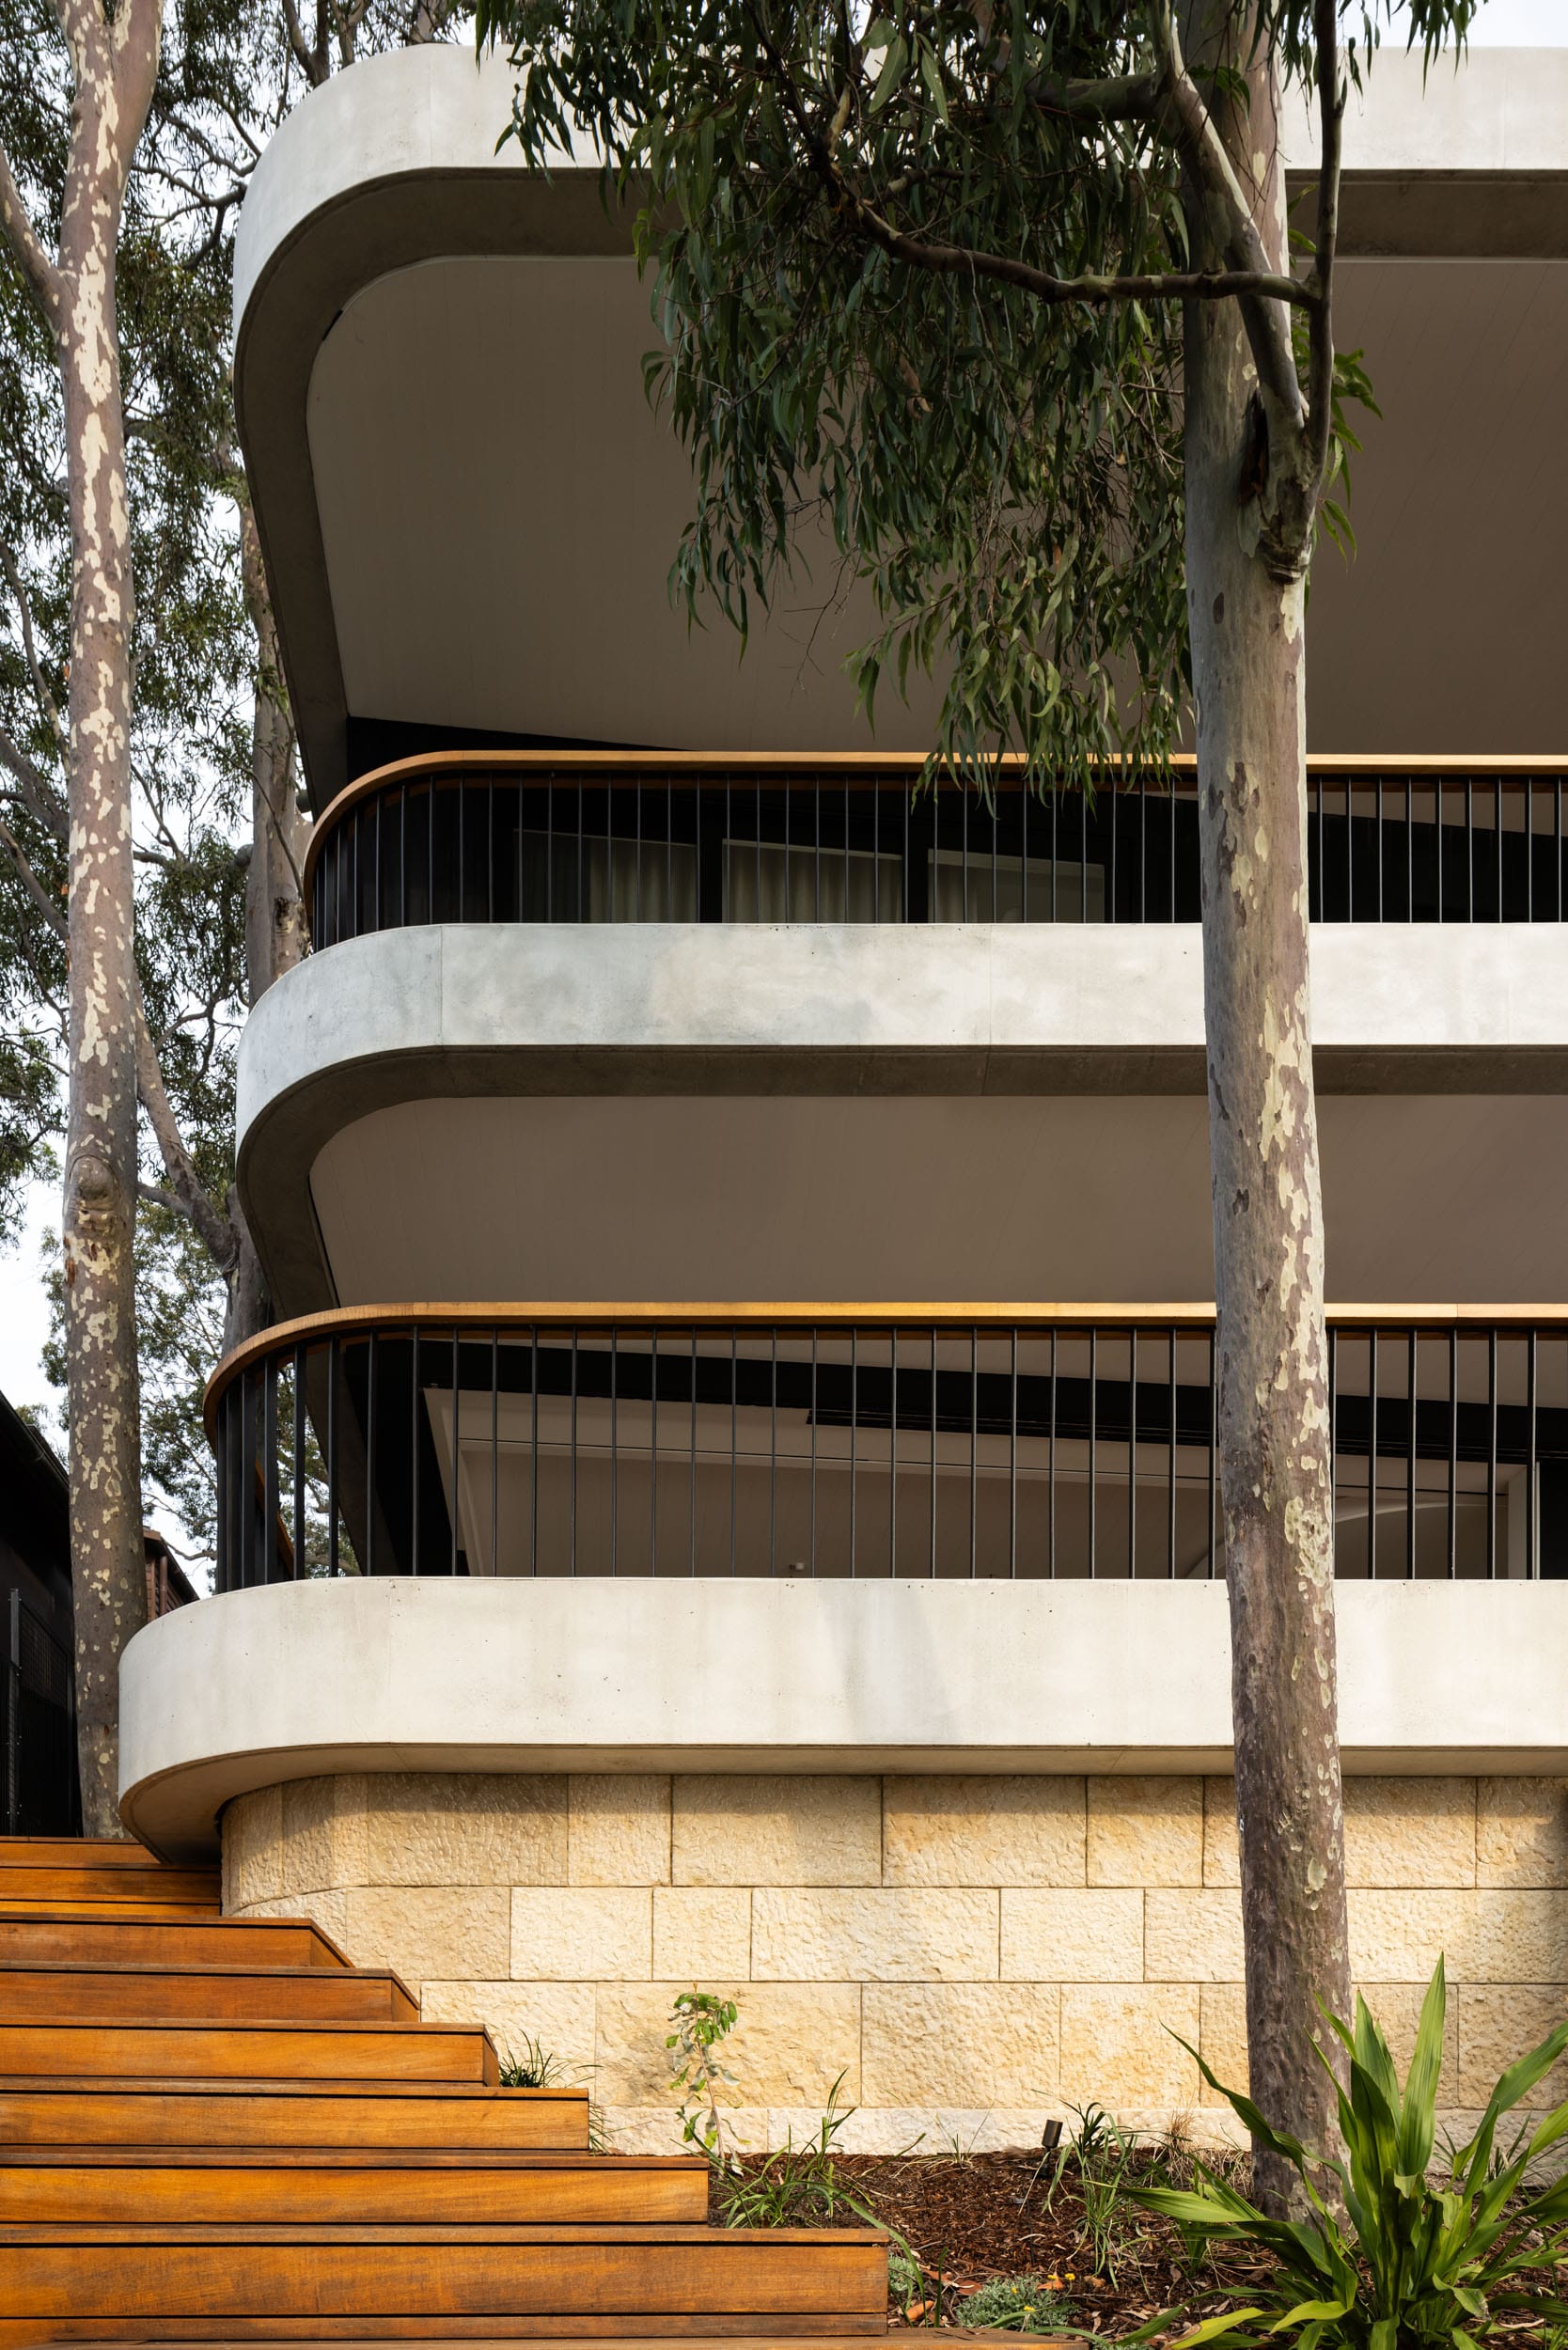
<point>219,2130</point>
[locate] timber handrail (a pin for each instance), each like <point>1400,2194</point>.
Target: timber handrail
<point>947,1316</point>
<point>887,771</point>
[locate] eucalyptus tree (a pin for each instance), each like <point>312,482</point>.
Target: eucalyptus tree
<point>144,728</point>
<point>1000,295</point>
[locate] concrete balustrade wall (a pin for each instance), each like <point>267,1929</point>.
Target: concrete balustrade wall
<point>974,1952</point>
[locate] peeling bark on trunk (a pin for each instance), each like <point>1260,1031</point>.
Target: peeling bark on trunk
<point>274,907</point>
<point>115,64</point>
<point>1246,610</point>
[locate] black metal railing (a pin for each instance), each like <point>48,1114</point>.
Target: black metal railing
<point>633,838</point>
<point>905,1442</point>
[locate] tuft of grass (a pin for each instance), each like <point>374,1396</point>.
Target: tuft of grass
<point>538,2067</point>
<point>794,2185</point>
<point>1019,2304</point>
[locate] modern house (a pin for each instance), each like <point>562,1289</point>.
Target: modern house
<point>730,1495</point>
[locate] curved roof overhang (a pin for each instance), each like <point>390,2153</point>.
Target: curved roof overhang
<point>468,511</point>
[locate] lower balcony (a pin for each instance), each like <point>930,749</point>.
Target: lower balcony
<point>801,1443</point>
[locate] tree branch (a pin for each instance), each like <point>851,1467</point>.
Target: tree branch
<point>1331,108</point>
<point>35,790</point>
<point>17,226</point>
<point>53,913</point>
<point>304,58</point>
<point>1202,150</point>
<point>213,1227</point>
<point>40,685</point>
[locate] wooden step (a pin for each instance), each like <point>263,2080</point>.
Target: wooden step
<point>166,1888</point>
<point>86,2185</point>
<point>141,1993</point>
<point>69,1852</point>
<point>78,2282</point>
<point>259,2051</point>
<point>115,1936</point>
<point>365,2115</point>
<point>416,2334</point>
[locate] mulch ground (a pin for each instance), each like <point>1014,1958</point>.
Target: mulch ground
<point>976,2217</point>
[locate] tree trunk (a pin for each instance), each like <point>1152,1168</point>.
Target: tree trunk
<point>1248,651</point>
<point>115,64</point>
<point>274,907</point>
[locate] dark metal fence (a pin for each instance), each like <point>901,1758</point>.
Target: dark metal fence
<point>40,1724</point>
<point>602,839</point>
<point>555,1441</point>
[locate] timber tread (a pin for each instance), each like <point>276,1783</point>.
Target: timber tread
<point>262,2048</point>
<point>144,1991</point>
<point>109,1933</point>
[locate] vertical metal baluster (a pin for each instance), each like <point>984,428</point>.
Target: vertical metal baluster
<point>1323,868</point>
<point>1529,849</point>
<point>1437,804</point>
<point>1371,1462</point>
<point>413,1451</point>
<point>495,1450</point>
<point>812,1540</point>
<point>270,1512</point>
<point>756,843</point>
<point>371,1417</point>
<point>637,790</point>
<point>582,909</point>
<point>354,821</point>
<point>457,1449</point>
<point>733,1378</point>
<point>1350,850</point>
<point>1132,1456</point>
<point>1557,842</point>
<point>222,1572</point>
<point>533,1451</point>
<point>1498,836</point>
<point>1531,1563</point>
<point>1170,1479</point>
<point>816,848</point>
<point>571,1510</point>
<point>653,1450</point>
<point>1454,1451</point>
<point>692,1499</point>
<point>855,1432</point>
<point>242,1481</point>
<point>1013,1458</point>
<point>1142,846</point>
<point>995,867</point>
<point>934,1449</point>
<point>1492,1452</point>
<point>1214,1444</point>
<point>893,1458</point>
<point>333,1566</point>
<point>1411,1368</point>
<point>402,856</point>
<point>670,847</point>
<point>1025,795</point>
<point>550,849</point>
<point>1409,848</point>
<point>974,1451</point>
<point>1051,1486</point>
<point>490,851</point>
<point>1334,1444</point>
<point>773,1461</point>
<point>1113,810</point>
<point>1093,1450</point>
<point>903,859</point>
<point>463,853</point>
<point>298,1462</point>
<point>1469,849</point>
<point>1377,839</point>
<point>614,1484</point>
<point>1055,817</point>
<point>963,850</point>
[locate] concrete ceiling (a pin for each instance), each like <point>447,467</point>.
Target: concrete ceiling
<point>469,512</point>
<point>1068,1197</point>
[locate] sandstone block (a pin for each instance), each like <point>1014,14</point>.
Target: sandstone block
<point>252,1848</point>
<point>428,1932</point>
<point>789,1829</point>
<point>1487,1936</point>
<point>1145,1831</point>
<point>970,1828</point>
<point>1408,1832</point>
<point>700,1931</point>
<point>946,2044</point>
<point>330,1911</point>
<point>1496,2027</point>
<point>1192,1936</point>
<point>618,1828</point>
<point>325,1837</point>
<point>1522,1832</point>
<point>882,1936</point>
<point>1117,2049</point>
<point>558,2017</point>
<point>582,1934</point>
<point>1071,1935</point>
<point>790,2042</point>
<point>1222,2038</point>
<point>1221,1850</point>
<point>466,1828</point>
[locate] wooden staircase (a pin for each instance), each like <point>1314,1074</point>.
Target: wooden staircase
<point>217,2130</point>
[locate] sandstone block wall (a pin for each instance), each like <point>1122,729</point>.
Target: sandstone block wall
<point>974,1954</point>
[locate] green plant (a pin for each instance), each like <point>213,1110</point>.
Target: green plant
<point>904,2280</point>
<point>795,2185</point>
<point>1414,2264</point>
<point>702,2023</point>
<point>538,2067</point>
<point>1021,2305</point>
<point>1101,2153</point>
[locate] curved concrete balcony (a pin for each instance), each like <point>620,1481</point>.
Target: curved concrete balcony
<point>303,1680</point>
